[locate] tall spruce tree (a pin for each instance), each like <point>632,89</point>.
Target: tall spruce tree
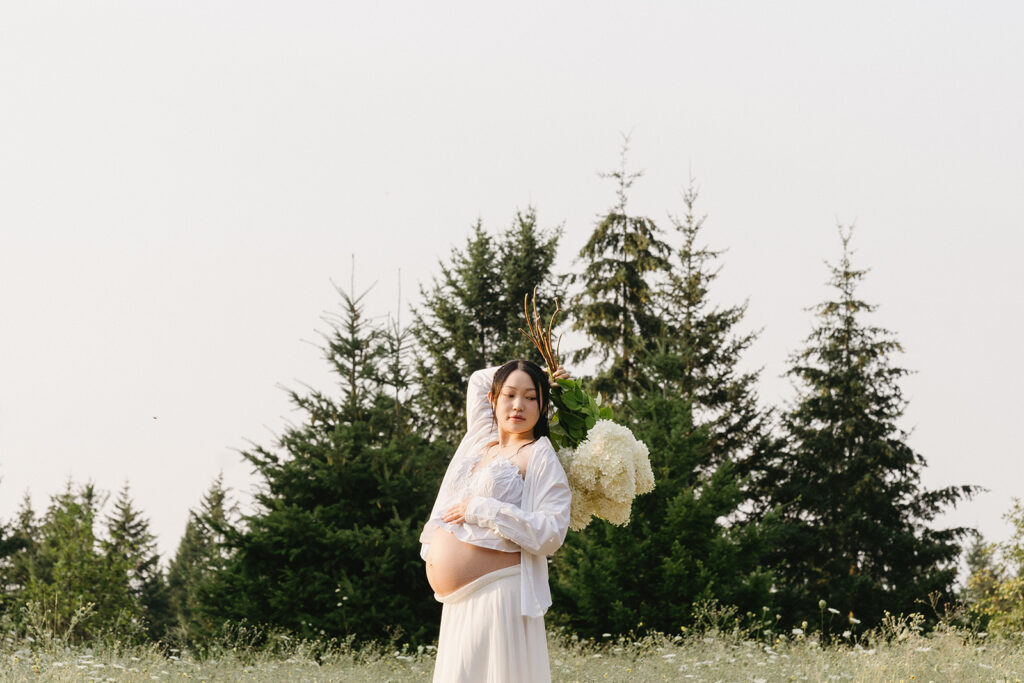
<point>132,546</point>
<point>10,544</point>
<point>16,568</point>
<point>332,548</point>
<point>616,309</point>
<point>700,349</point>
<point>699,416</point>
<point>69,570</point>
<point>853,526</point>
<point>674,553</point>
<point>201,554</point>
<point>470,316</point>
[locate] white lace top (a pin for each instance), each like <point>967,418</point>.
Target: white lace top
<point>505,511</point>
<point>499,479</point>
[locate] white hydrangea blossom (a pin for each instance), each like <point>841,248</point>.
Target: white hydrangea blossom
<point>605,473</point>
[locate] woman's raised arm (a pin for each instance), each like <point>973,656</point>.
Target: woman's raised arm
<point>479,413</point>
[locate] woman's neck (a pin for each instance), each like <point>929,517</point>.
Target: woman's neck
<point>511,439</point>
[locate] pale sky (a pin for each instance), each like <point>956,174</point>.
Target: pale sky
<point>181,182</point>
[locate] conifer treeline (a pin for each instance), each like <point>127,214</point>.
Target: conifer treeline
<point>770,510</point>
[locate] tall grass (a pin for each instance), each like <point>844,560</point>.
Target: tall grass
<point>897,651</point>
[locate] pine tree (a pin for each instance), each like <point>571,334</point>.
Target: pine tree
<point>69,570</point>
<point>854,518</point>
<point>699,416</point>
<point>16,569</point>
<point>332,548</point>
<point>616,309</point>
<point>674,554</point>
<point>10,544</point>
<point>699,349</point>
<point>470,317</point>
<point>131,545</point>
<point>200,555</point>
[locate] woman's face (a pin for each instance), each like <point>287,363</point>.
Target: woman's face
<point>517,405</point>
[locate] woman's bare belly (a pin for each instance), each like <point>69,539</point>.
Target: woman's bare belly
<point>452,563</point>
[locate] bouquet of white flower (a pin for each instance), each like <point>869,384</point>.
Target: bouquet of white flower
<point>606,465</point>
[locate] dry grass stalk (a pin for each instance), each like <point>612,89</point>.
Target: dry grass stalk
<point>541,337</point>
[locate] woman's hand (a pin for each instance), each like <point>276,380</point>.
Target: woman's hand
<point>559,373</point>
<point>457,513</point>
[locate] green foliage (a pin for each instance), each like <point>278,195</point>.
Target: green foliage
<point>852,513</point>
<point>470,317</point>
<point>698,415</point>
<point>14,540</point>
<point>995,587</point>
<point>131,545</point>
<point>673,553</point>
<point>333,546</point>
<point>616,309</point>
<point>68,569</point>
<point>200,555</point>
<point>699,350</point>
<point>576,411</point>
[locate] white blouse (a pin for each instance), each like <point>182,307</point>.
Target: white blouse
<point>535,525</point>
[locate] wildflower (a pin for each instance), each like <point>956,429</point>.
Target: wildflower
<point>833,610</point>
<point>606,635</point>
<point>822,604</point>
<point>854,620</point>
<point>846,634</point>
<point>798,631</point>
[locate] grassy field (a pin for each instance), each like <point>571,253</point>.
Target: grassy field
<point>901,656</point>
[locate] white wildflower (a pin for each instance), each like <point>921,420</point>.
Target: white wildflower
<point>833,610</point>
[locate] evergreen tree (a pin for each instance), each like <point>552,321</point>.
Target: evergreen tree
<point>674,553</point>
<point>699,416</point>
<point>853,515</point>
<point>332,548</point>
<point>131,545</point>
<point>616,309</point>
<point>471,315</point>
<point>699,350</point>
<point>200,555</point>
<point>984,577</point>
<point>996,583</point>
<point>16,569</point>
<point>68,569</point>
<point>10,544</point>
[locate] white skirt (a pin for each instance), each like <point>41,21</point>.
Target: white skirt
<point>485,637</point>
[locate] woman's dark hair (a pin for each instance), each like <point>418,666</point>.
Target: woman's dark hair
<point>540,383</point>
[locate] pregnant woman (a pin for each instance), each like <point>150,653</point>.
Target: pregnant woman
<point>503,507</point>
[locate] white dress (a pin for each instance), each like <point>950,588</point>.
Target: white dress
<point>492,629</point>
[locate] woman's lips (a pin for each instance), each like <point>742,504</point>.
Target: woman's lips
<point>516,418</point>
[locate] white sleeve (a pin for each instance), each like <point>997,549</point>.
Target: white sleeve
<point>479,414</point>
<point>540,531</point>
